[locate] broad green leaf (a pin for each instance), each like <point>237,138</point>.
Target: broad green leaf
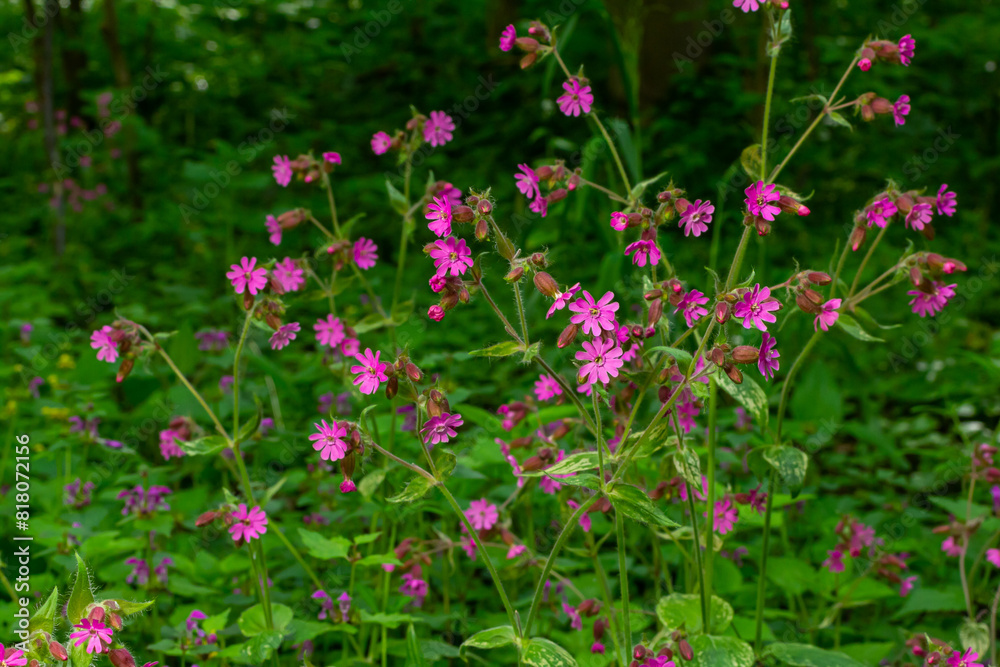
<point>367,538</point>
<point>539,652</point>
<point>257,651</point>
<point>324,548</point>
<point>390,621</point>
<point>78,656</point>
<point>504,349</point>
<point>711,651</point>
<point>531,352</point>
<point>683,357</point>
<point>369,483</point>
<point>925,599</point>
<point>252,621</point>
<point>804,655</point>
<point>688,466</point>
<point>215,623</point>
<point>749,395</point>
<point>684,610</point>
<point>379,559</point>
<point>975,636</point>
<point>416,489</point>
<point>81,597</point>
<point>44,617</point>
<point>790,462</point>
<point>303,630</point>
<point>212,444</point>
<point>579,462</point>
<point>750,159</point>
<point>414,656</point>
<point>635,504</point>
<point>851,326</point>
<point>502,635</point>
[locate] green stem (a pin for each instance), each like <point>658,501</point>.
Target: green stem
<point>788,383</point>
<point>298,557</point>
<point>713,401</point>
<point>614,152</point>
<point>840,266</point>
<point>606,593</point>
<point>864,262</point>
<point>762,580</point>
<point>623,575</point>
<point>520,312</point>
<point>404,235</point>
<point>600,448</point>
<point>767,117</point>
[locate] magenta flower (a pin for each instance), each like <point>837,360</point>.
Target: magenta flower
<point>329,331</point>
<point>482,514</point>
<point>282,169</point>
<point>575,620</point>
<point>690,306</point>
<point>619,221</point>
<point>274,229</point>
<point>993,556</point>
<point>438,128</point>
<point>967,659</point>
<point>212,340</point>
<point>759,198</point>
<point>546,387</point>
<point>95,633</point>
<point>834,561</point>
<point>696,217</point>
<point>828,315</point>
<point>726,516</point>
<point>931,303</point>
<point>756,307</point>
<point>168,444</point>
<point>371,371</point>
<point>540,205</point>
<point>951,548</point>
<point>289,275</point>
<point>331,157</point>
<point>248,525</point>
<point>595,316</point>
<point>747,5</point>
<point>919,216</point>
<point>245,277</point>
<point>603,360</point>
<point>576,100</point>
<point>585,522</point>
<point>515,551</point>
<point>439,216</point>
<point>562,299</point>
<point>441,429</point>
<point>329,440</point>
<point>644,251</point>
<point>880,212</point>
<point>381,143</point>
<point>284,335</point>
<point>414,586</point>
<point>365,253</point>
<point>906,585</point>
<point>12,657</point>
<point>767,362</point>
<point>906,45</point>
<point>901,109</point>
<point>527,182</point>
<point>507,38</point>
<point>451,256</point>
<point>435,313</point>
<point>947,202</point>
<point>107,348</point>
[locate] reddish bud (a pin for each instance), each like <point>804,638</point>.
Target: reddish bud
<point>567,336</point>
<point>557,195</point>
<point>722,312</point>
<point>527,44</point>
<point>120,657</point>
<point>484,207</point>
<point>745,354</point>
<point>96,614</point>
<point>546,284</point>
<point>247,300</point>
<point>528,60</point>
<point>881,105</point>
<point>532,464</point>
<point>392,387</point>
<point>857,237</point>
<point>124,369</point>
<point>544,172</point>
<point>463,214</point>
<point>413,372</point>
<point>819,278</point>
<point>685,649</point>
<point>114,620</point>
<point>735,374</point>
<point>514,274</point>
<point>58,651</point>
<point>206,518</point>
<point>655,312</point>
<point>482,230</point>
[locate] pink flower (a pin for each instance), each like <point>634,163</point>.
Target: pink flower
<point>919,216</point>
<point>439,430</point>
<point>540,205</point>
<point>371,372</point>
<point>865,64</point>
<point>595,316</point>
<point>245,277</point>
<point>562,298</point>
<point>365,253</point>
<point>248,525</point>
<point>436,313</point>
<point>437,283</point>
<point>767,362</point>
<point>931,303</point>
<point>482,514</point>
<point>282,169</point>
<point>758,200</point>
<point>107,348</point>
<point>168,444</point>
<point>828,315</point>
<point>993,556</point>
<point>619,221</point>
<point>515,551</point>
<point>12,657</point>
<point>575,621</point>
<point>585,522</point>
<point>507,38</point>
<point>603,360</point>
<point>906,586</point>
<point>274,229</point>
<point>451,256</point>
<point>284,335</point>
<point>756,307</point>
<point>880,212</point>
<point>381,143</point>
<point>289,275</point>
<point>329,440</point>
<point>906,45</point>
<point>439,216</point>
<point>329,331</point>
<point>546,387</point>
<point>834,561</point>
<point>947,202</point>
<point>967,659</point>
<point>644,251</point>
<point>331,157</point>
<point>951,548</point>
<point>95,633</point>
<point>702,495</point>
<point>726,516</point>
<point>900,109</point>
<point>747,5</point>
<point>696,217</point>
<point>350,346</point>
<point>691,307</point>
<point>527,182</point>
<point>577,99</point>
<point>597,647</point>
<point>438,128</point>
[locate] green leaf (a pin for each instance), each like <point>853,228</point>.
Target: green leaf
<point>44,617</point>
<point>975,636</point>
<point>379,559</point>
<point>683,610</point>
<point>749,395</point>
<point>414,656</point>
<point>212,444</point>
<point>750,159</point>
<point>303,630</point>
<point>804,655</point>
<point>851,326</point>
<point>579,462</point>
<point>367,538</point>
<point>504,349</point>
<point>540,652</point>
<point>257,651</point>
<point>839,119</point>
<point>127,607</point>
<point>252,621</point>
<point>396,198</point>
<point>249,428</point>
<point>688,466</point>
<point>640,188</point>
<point>78,656</point>
<point>533,351</point>
<point>711,651</point>
<point>635,504</point>
<point>81,597</point>
<point>215,623</point>
<point>502,635</point>
<point>390,621</point>
<point>682,357</point>
<point>445,464</point>
<point>324,548</point>
<point>790,462</point>
<point>416,489</point>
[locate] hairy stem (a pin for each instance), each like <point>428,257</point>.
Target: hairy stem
<point>623,575</point>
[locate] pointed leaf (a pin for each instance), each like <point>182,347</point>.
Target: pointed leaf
<point>416,489</point>
<point>212,444</point>
<point>710,651</point>
<point>748,394</point>
<point>81,597</point>
<point>804,655</point>
<point>127,607</point>
<point>502,635</point>
<point>322,547</point>
<point>504,349</point>
<point>540,652</point>
<point>851,326</point>
<point>790,462</point>
<point>44,617</point>
<point>636,505</point>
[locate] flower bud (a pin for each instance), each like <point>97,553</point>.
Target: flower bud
<point>717,356</point>
<point>120,657</point>
<point>482,230</point>
<point>567,336</point>
<point>544,172</point>
<point>722,312</point>
<point>557,195</point>
<point>641,652</point>
<point>96,613</point>
<point>589,607</point>
<point>663,393</point>
<point>527,44</point>
<point>745,354</point>
<point>528,60</point>
<point>819,278</point>
<point>881,105</point>
<point>789,205</point>
<point>857,237</point>
<point>484,207</point>
<point>533,463</point>
<point>524,441</point>
<point>546,284</point>
<point>58,651</point>
<point>392,387</point>
<point>685,650</point>
<point>206,518</point>
<point>514,274</point>
<point>413,372</point>
<point>867,113</point>
<point>735,374</point>
<point>763,226</point>
<point>463,214</point>
<point>681,205</point>
<point>247,300</point>
<point>655,312</point>
<point>115,621</point>
<point>124,369</point>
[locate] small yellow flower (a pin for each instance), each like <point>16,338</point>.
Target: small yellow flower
<point>66,361</point>
<point>59,414</point>
<point>18,368</point>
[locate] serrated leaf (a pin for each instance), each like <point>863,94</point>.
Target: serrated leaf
<point>44,617</point>
<point>851,326</point>
<point>804,655</point>
<point>504,349</point>
<point>711,651</point>
<point>81,596</point>
<point>540,652</point>
<point>416,489</point>
<point>212,444</point>
<point>322,547</point>
<point>636,505</point>
<point>748,394</point>
<point>790,462</point>
<point>683,610</point>
<point>502,635</point>
<point>579,462</point>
